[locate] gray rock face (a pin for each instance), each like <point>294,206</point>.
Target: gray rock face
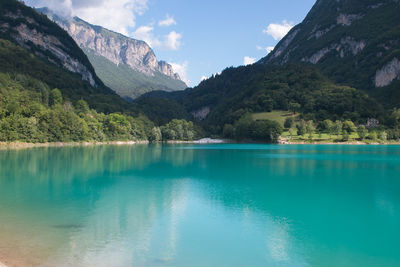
<point>347,19</point>
<point>25,35</point>
<point>117,48</point>
<point>352,37</point>
<point>202,113</point>
<point>347,46</point>
<point>388,73</point>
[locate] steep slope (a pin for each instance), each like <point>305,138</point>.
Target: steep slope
<point>354,42</point>
<point>31,44</point>
<point>225,98</point>
<point>133,64</point>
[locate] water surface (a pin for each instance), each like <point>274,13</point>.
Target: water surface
<point>201,205</point>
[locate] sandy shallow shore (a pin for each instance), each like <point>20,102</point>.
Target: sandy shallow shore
<point>201,141</point>
<point>22,145</point>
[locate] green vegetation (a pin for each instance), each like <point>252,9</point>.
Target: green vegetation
<point>129,83</point>
<point>378,28</point>
<point>277,115</point>
<point>40,102</point>
<point>14,13</point>
<point>15,59</point>
<point>328,131</point>
<point>31,112</point>
<point>246,128</point>
<point>264,91</point>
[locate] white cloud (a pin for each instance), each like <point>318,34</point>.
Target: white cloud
<point>278,31</point>
<point>249,60</point>
<point>181,69</point>
<point>173,41</point>
<point>269,49</point>
<point>116,15</point>
<point>168,21</point>
<point>145,33</point>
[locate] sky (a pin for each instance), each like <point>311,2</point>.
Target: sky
<point>198,38</point>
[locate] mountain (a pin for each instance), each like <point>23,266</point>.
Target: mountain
<point>126,65</point>
<point>353,42</point>
<point>49,91</point>
<point>341,63</point>
<point>32,45</point>
<point>227,97</point>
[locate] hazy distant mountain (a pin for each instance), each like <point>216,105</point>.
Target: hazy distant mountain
<point>126,65</point>
<point>354,42</point>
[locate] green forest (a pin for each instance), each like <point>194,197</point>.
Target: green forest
<point>40,101</point>
<point>30,111</point>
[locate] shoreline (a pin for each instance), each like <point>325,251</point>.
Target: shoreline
<point>354,143</point>
<point>24,145</point>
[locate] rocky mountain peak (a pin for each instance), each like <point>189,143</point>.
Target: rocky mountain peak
<point>43,38</point>
<point>355,42</point>
<point>115,47</point>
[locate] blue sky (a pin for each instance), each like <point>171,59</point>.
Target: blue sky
<point>199,38</point>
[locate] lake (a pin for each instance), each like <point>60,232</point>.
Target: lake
<point>201,205</point>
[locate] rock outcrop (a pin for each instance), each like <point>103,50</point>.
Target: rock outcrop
<point>48,44</point>
<point>355,42</point>
<point>115,47</point>
<point>388,73</point>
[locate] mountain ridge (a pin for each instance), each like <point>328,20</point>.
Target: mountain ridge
<point>31,31</point>
<point>121,51</point>
<point>354,42</point>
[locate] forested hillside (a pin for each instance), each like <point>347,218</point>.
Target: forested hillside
<point>353,42</point>
<point>49,91</point>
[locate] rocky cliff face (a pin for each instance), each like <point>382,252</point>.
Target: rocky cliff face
<point>30,31</point>
<point>115,47</point>
<point>355,42</point>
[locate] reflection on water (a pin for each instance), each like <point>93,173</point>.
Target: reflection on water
<point>185,205</point>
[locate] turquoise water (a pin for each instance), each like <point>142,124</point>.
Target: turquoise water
<point>201,205</point>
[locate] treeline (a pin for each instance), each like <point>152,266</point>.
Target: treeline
<point>31,112</point>
<point>258,130</point>
<point>344,130</point>
<point>260,88</point>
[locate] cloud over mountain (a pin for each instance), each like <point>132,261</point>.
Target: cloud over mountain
<point>278,30</point>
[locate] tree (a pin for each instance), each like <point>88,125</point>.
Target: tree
<point>55,97</point>
<point>155,135</point>
<point>292,132</point>
<point>338,127</point>
<point>289,122</point>
<point>373,136</point>
<point>383,136</point>
<point>294,107</point>
<point>229,131</point>
<point>327,126</point>
<point>362,132</point>
<point>349,127</point>
<point>301,128</point>
<point>81,107</point>
<point>345,135</point>
<point>310,128</point>
<point>265,130</point>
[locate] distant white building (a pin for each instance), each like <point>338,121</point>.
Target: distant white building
<point>372,123</point>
